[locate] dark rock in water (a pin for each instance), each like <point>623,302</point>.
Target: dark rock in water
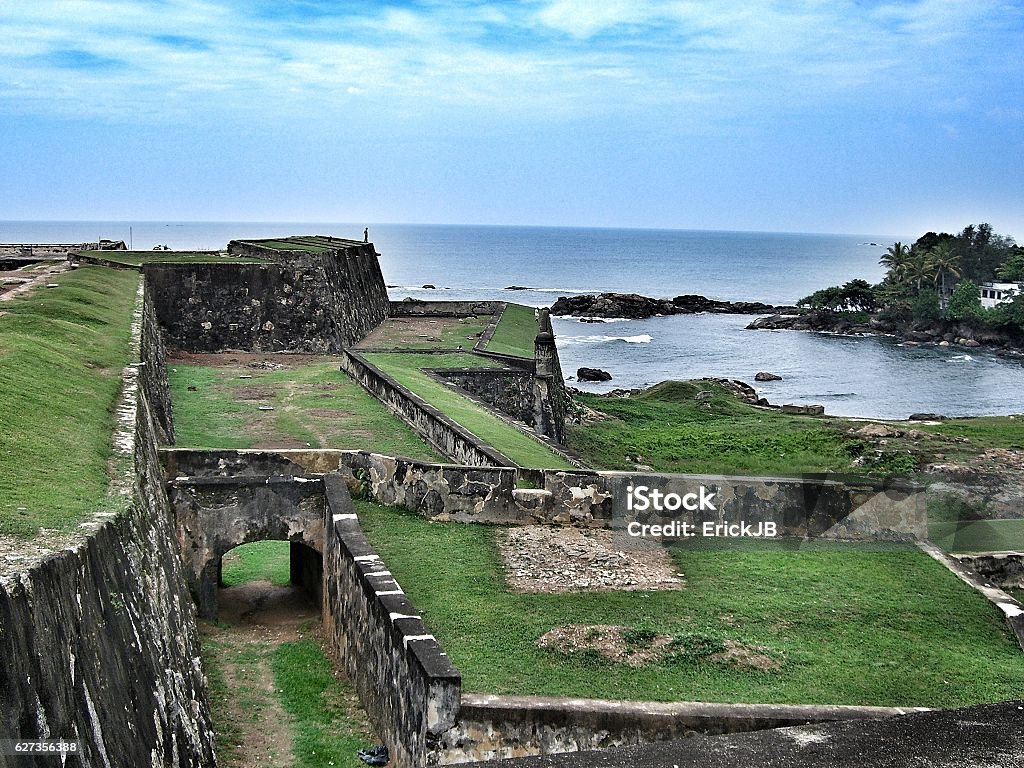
<point>634,306</point>
<point>516,288</point>
<point>592,374</point>
<point>927,417</point>
<point>392,286</point>
<point>430,287</point>
<point>765,376</point>
<point>591,320</point>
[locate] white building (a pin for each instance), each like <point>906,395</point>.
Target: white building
<point>998,293</point>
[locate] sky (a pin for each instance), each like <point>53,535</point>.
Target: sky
<point>805,116</point>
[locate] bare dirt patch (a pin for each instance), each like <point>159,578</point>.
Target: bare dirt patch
<point>254,360</point>
<point>254,392</point>
<point>540,558</point>
<point>637,647</point>
<point>397,332</point>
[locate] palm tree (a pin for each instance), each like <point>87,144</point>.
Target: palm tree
<point>919,268</point>
<point>896,259</point>
<point>943,259</point>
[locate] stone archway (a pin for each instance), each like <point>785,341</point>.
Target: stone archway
<point>216,514</point>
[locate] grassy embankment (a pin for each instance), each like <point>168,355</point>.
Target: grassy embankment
<point>515,332</point>
<point>406,368</point>
<point>139,258</point>
<point>699,427</point>
<point>314,404</point>
<point>61,355</point>
<point>849,625</point>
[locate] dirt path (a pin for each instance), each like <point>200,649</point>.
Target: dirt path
<point>33,280</point>
<point>255,618</point>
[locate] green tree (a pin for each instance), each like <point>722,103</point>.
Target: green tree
<point>944,260</point>
<point>919,269</point>
<point>965,302</point>
<point>925,306</point>
<point>1012,269</point>
<point>1011,313</point>
<point>896,259</point>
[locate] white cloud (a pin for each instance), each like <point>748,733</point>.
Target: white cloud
<point>564,57</point>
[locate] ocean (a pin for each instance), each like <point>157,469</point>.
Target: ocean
<point>869,377</point>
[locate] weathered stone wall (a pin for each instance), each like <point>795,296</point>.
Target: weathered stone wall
<point>417,308</point>
<point>510,392</point>
<point>428,422</point>
<point>1004,569</point>
<point>500,727</point>
<point>406,682</point>
<point>297,302</point>
<point>98,642</point>
<point>216,514</point>
<point>550,399</point>
<point>844,507</point>
<point>153,372</point>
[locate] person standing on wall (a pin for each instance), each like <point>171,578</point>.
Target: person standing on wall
<point>366,234</point>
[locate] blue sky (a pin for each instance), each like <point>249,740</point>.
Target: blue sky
<point>865,117</point>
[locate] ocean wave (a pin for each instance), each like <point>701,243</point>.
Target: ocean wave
<point>642,338</point>
<point>601,320</point>
<point>960,359</point>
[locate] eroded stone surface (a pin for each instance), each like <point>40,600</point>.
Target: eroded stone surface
<point>540,558</point>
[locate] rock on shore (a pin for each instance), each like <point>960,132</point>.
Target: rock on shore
<point>634,306</point>
<point>939,332</point>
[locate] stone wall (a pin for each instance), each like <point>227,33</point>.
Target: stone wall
<point>550,399</point>
<point>499,727</point>
<point>153,372</point>
<point>1004,569</point>
<point>508,391</point>
<point>449,438</point>
<point>406,682</point>
<point>417,308</point>
<point>99,640</point>
<point>842,507</point>
<point>296,302</point>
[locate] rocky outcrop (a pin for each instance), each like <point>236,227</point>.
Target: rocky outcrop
<point>766,376</point>
<point>592,374</point>
<point>634,306</point>
<point>942,332</point>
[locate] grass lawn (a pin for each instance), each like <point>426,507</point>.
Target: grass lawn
<point>667,428</point>
<point>985,431</point>
<point>406,369</point>
<point>138,258</point>
<point>268,560</point>
<point>888,626</point>
<point>978,535</point>
<point>515,332</point>
<point>314,404</point>
<point>61,354</point>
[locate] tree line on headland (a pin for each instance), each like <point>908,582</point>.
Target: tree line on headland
<point>936,279</point>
